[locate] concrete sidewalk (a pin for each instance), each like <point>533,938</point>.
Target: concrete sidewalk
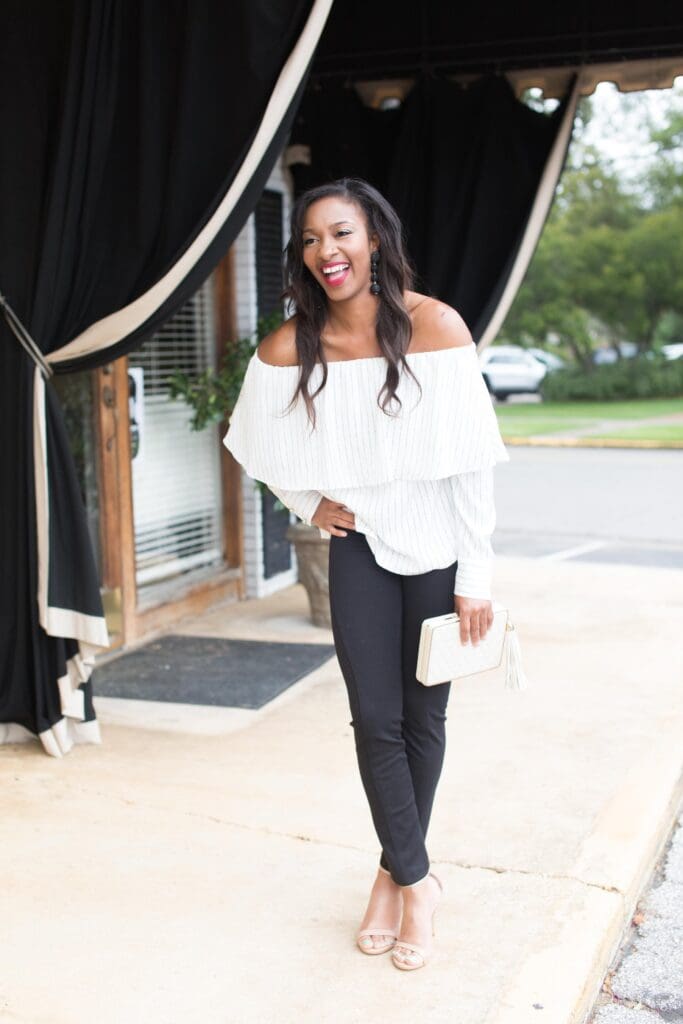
<point>206,866</point>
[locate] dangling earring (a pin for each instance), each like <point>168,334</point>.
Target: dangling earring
<point>375,287</point>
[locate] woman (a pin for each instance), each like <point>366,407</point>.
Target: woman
<point>367,415</point>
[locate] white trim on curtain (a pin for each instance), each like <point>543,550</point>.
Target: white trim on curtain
<point>113,328</point>
<point>537,218</point>
<point>40,473</point>
<point>56,741</point>
<point>90,629</point>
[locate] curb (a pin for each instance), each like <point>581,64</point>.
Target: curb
<point>588,442</point>
<point>613,867</point>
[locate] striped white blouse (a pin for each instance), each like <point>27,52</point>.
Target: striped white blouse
<point>419,482</point>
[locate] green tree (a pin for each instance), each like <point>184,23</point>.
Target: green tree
<point>655,249</point>
<point>591,194</point>
<point>545,304</point>
<point>610,260</point>
<point>663,179</point>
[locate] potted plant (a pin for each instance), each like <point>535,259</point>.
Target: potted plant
<point>212,396</point>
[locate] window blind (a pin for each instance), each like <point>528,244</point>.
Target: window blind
<point>176,471</point>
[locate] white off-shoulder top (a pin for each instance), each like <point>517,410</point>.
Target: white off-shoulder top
<point>419,482</point>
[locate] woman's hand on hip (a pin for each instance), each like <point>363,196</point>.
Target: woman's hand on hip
<point>476,615</point>
<point>334,517</point>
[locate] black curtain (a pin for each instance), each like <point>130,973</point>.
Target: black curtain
<point>461,165</point>
<point>124,127</point>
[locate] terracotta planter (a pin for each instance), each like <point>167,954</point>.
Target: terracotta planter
<point>312,555</point>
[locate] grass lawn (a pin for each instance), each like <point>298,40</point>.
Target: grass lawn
<point>526,426</point>
<point>547,418</point>
<point>647,433</point>
<point>636,409</point>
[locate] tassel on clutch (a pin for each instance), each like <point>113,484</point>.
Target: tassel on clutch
<point>443,658</point>
<point>515,677</point>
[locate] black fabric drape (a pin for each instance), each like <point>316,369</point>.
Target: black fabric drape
<point>124,125</point>
<point>461,165</point>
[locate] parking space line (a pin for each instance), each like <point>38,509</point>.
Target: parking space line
<point>579,549</point>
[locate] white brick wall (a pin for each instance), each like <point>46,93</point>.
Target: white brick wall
<point>245,290</point>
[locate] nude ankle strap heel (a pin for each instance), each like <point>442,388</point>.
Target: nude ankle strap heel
<point>371,949</point>
<point>412,947</point>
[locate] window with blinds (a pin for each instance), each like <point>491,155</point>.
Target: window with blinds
<point>176,471</point>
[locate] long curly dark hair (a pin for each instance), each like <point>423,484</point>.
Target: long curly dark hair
<point>393,324</point>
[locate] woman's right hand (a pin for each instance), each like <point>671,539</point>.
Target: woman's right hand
<point>332,516</point>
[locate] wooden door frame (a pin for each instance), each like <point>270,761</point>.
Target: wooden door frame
<point>231,473</point>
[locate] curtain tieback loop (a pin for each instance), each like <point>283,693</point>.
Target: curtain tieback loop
<point>25,339</point>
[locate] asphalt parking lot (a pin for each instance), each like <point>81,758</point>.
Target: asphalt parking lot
<point>616,506</point>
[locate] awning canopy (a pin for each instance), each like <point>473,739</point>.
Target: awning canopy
<point>385,40</point>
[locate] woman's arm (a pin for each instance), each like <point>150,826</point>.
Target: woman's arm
<point>303,503</point>
<point>476,519</point>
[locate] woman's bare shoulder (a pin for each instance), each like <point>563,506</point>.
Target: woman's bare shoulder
<point>436,325</point>
<point>279,347</point>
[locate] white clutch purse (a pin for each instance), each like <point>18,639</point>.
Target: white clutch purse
<point>443,658</point>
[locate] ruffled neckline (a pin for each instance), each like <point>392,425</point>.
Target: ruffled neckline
<point>367,359</point>
<point>446,423</point>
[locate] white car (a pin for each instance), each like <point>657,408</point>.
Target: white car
<point>510,370</point>
<point>674,350</point>
<point>549,359</point>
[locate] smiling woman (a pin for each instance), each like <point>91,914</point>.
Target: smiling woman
<point>348,273</point>
<point>391,456</point>
<point>330,250</point>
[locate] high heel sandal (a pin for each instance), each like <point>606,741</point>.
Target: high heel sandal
<point>412,947</point>
<point>372,950</point>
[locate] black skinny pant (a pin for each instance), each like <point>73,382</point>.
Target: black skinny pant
<point>399,724</point>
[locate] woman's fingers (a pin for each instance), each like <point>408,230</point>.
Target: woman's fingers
<point>478,626</point>
<point>342,517</point>
<point>474,621</point>
<point>336,518</point>
<point>338,527</point>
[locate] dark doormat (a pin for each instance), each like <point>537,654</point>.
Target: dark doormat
<point>207,670</point>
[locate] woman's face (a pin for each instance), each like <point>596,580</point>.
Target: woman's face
<point>335,239</point>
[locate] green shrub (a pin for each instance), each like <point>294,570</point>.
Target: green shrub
<point>212,395</point>
<point>640,377</point>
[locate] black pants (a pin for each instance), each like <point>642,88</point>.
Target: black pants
<point>399,724</point>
